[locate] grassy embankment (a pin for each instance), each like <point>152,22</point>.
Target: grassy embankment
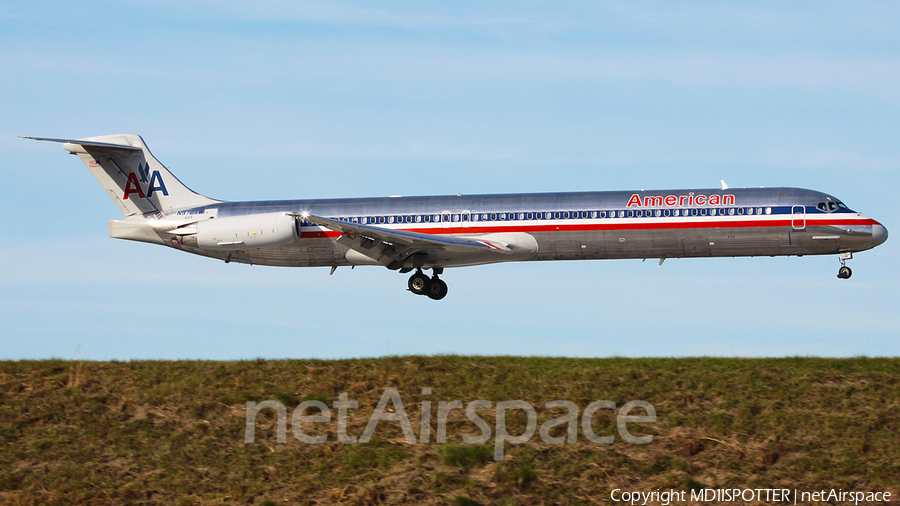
<point>172,432</point>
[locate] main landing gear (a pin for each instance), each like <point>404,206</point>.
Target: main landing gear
<point>434,288</point>
<point>844,272</point>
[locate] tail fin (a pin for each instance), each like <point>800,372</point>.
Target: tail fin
<point>129,173</point>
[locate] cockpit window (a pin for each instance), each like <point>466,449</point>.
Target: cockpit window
<point>821,206</point>
<point>831,206</point>
<point>842,205</point>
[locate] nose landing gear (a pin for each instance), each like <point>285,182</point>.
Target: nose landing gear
<point>844,272</point>
<point>433,287</point>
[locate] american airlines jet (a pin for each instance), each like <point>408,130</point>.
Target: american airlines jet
<point>433,233</point>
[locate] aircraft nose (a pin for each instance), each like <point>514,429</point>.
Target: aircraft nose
<point>879,234</point>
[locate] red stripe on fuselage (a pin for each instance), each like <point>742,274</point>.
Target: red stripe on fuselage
<point>584,227</point>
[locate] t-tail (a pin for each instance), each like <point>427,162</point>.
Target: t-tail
<point>135,180</point>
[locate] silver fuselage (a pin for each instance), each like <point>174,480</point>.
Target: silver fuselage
<point>565,226</point>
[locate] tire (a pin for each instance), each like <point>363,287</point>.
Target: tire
<point>419,283</point>
<point>437,290</point>
<point>845,272</point>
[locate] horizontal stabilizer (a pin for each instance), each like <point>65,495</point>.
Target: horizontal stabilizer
<point>93,144</point>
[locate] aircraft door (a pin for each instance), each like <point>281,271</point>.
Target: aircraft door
<point>798,217</point>
<point>464,218</point>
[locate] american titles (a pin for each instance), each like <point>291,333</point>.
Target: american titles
<point>688,200</point>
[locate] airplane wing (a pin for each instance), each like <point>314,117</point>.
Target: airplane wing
<point>388,246</point>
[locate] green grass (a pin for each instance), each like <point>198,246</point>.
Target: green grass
<point>465,456</point>
<point>154,432</point>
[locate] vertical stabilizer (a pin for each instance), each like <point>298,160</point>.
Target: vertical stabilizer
<point>135,180</point>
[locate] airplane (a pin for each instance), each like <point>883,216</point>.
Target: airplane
<point>437,232</point>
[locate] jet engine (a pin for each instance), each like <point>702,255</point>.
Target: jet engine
<point>248,231</point>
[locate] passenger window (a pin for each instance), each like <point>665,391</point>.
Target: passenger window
<point>530,216</point>
<point>676,212</point>
<point>768,210</point>
<point>502,216</point>
<point>455,217</point>
<point>484,217</point>
<point>741,210</point>
<point>493,216</point>
<point>703,212</point>
<point>712,212</point>
<point>758,210</point>
<point>381,219</point>
<point>749,210</point>
<point>667,212</point>
<point>446,217</point>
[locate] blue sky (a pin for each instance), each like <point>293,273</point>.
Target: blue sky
<point>273,100</point>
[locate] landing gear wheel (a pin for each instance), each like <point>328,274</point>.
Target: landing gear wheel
<point>844,272</point>
<point>437,289</point>
<point>419,283</point>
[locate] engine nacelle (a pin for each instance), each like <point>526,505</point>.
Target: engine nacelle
<point>249,231</point>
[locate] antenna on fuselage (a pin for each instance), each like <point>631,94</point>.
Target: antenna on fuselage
<point>724,186</point>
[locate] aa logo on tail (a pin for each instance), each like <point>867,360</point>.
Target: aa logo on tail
<point>155,183</point>
<point>144,171</point>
